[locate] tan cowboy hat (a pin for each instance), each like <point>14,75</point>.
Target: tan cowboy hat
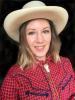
<point>33,10</point>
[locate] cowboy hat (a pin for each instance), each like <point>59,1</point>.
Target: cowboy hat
<point>33,10</point>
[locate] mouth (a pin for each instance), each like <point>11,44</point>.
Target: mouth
<point>39,48</point>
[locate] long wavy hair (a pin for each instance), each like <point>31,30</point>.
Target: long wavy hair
<point>26,57</point>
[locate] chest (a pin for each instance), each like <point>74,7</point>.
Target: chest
<point>42,84</point>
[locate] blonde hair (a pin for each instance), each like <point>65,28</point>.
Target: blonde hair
<point>26,57</point>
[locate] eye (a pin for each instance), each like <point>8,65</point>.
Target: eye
<point>46,31</point>
<point>31,33</point>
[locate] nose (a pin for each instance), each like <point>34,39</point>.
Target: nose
<point>40,37</point>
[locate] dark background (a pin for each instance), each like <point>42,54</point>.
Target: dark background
<point>9,48</point>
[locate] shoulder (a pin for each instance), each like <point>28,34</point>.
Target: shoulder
<point>12,72</point>
<point>65,61</point>
<point>15,69</point>
<point>66,64</point>
<point>9,84</point>
<point>10,79</point>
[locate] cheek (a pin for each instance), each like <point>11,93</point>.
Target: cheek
<point>30,40</point>
<point>48,38</point>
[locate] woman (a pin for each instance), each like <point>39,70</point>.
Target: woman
<point>40,72</point>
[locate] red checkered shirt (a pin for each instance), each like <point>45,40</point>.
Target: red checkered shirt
<point>36,83</point>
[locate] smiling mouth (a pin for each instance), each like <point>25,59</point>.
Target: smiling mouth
<point>39,48</point>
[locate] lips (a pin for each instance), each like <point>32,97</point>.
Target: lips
<point>39,48</point>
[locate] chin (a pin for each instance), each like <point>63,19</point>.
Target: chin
<point>40,56</point>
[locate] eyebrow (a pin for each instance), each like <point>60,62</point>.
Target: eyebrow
<point>46,27</point>
<point>35,29</point>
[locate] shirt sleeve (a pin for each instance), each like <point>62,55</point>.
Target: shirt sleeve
<point>68,66</point>
<point>8,89</point>
<point>72,82</point>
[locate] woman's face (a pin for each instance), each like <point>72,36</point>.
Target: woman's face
<point>38,35</point>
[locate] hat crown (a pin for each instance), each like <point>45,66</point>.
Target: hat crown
<point>34,4</point>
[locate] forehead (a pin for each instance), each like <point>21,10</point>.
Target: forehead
<point>32,23</point>
<point>37,22</point>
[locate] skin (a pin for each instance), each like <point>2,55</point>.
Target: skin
<point>38,35</point>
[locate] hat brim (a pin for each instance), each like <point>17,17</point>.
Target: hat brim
<point>13,21</point>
